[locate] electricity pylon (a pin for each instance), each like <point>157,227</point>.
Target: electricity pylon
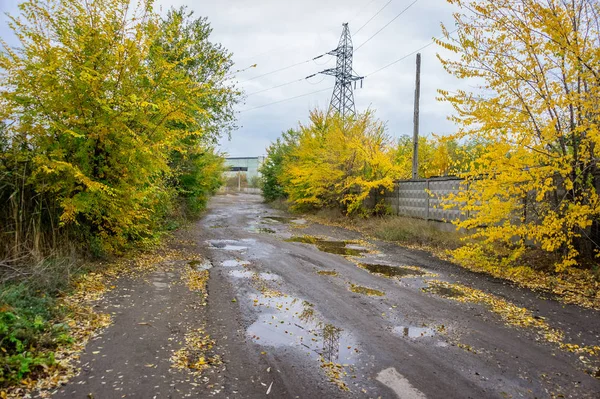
<point>342,100</point>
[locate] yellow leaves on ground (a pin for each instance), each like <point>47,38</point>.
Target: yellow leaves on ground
<point>574,285</point>
<point>196,280</point>
<point>512,315</point>
<point>82,318</point>
<point>335,372</point>
<point>359,289</point>
<point>264,288</point>
<point>196,354</point>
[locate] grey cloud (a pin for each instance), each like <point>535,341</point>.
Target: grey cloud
<point>277,33</point>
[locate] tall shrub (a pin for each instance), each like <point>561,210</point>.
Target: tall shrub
<point>537,106</point>
<point>339,162</point>
<point>272,168</point>
<point>96,99</point>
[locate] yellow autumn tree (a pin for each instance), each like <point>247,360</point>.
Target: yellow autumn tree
<point>339,162</point>
<point>110,113</point>
<point>537,107</point>
<point>438,156</point>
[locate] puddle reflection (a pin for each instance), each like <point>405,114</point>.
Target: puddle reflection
<point>331,342</point>
<point>289,321</point>
<point>283,219</point>
<point>241,273</point>
<point>227,245</point>
<point>392,271</point>
<point>344,248</point>
<point>414,332</point>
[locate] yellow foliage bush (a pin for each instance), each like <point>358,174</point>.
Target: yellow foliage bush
<point>339,162</point>
<point>438,156</point>
<point>536,185</point>
<point>110,111</point>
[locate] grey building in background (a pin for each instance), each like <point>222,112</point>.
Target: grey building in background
<point>247,165</point>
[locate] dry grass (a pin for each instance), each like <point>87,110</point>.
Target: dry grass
<point>280,204</point>
<point>404,230</point>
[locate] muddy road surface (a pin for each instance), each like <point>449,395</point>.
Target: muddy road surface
<point>332,314</point>
<point>301,310</point>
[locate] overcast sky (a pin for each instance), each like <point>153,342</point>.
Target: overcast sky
<point>278,33</point>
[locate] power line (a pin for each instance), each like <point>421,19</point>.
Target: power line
<point>356,14</point>
<point>359,10</point>
<point>316,83</point>
<point>283,69</point>
<point>275,87</point>
<point>386,25</point>
<point>400,59</point>
<point>376,14</point>
<point>408,55</point>
<point>263,53</point>
<point>288,83</point>
<point>331,87</point>
<point>287,99</point>
<point>327,61</point>
<point>284,84</point>
<point>239,70</point>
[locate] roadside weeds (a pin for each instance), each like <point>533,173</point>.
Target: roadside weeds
<point>83,322</point>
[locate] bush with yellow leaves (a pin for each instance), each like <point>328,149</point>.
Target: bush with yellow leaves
<point>339,162</point>
<point>536,185</point>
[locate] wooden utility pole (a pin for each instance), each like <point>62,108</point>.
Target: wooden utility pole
<point>415,163</point>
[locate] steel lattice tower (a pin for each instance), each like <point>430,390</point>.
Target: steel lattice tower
<point>342,100</point>
<point>331,342</point>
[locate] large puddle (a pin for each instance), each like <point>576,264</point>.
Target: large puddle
<point>266,276</point>
<point>443,290</point>
<point>344,248</point>
<point>393,271</point>
<point>289,321</point>
<point>227,245</point>
<point>234,263</point>
<point>283,219</point>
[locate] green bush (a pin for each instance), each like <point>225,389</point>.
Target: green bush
<point>29,333</point>
<point>200,176</point>
<point>272,168</point>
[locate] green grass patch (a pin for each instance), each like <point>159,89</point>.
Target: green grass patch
<point>29,332</point>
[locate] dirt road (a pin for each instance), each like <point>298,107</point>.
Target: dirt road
<point>301,310</point>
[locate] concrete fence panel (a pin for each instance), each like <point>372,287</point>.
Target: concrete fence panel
<point>421,198</point>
